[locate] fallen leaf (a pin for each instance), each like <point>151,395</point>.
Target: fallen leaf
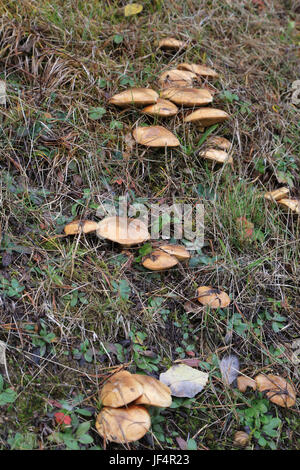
<point>192,362</point>
<point>132,9</point>
<point>61,418</point>
<point>277,389</point>
<point>229,367</point>
<point>243,382</point>
<point>182,443</point>
<point>246,228</point>
<point>183,380</point>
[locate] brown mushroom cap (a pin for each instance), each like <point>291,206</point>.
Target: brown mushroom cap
<point>163,108</point>
<point>202,70</point>
<point>179,251</point>
<point>155,136</point>
<point>123,425</point>
<point>123,230</point>
<point>155,393</point>
<point>207,116</point>
<point>159,261</point>
<point>212,297</point>
<point>215,155</point>
<point>120,389</point>
<point>277,194</point>
<point>219,142</point>
<point>187,96</point>
<point>78,226</point>
<point>241,439</point>
<point>292,204</point>
<point>171,43</point>
<point>176,78</point>
<point>277,389</point>
<point>243,382</point>
<point>135,97</point>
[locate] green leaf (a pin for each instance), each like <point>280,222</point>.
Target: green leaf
<point>86,439</point>
<point>192,444</point>
<point>118,38</point>
<point>96,113</point>
<point>83,428</point>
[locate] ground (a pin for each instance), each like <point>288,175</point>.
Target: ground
<point>75,309</point>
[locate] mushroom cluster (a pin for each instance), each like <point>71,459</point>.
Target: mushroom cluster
<point>165,257</point>
<point>125,397</point>
<point>179,87</point>
<point>122,230</point>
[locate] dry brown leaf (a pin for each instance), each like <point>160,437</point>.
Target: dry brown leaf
<point>277,389</point>
<point>243,382</point>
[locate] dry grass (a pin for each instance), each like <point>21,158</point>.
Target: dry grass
<point>60,60</point>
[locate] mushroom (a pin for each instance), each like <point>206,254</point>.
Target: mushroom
<point>122,230</point>
<point>178,251</point>
<point>212,297</point>
<point>120,389</point>
<point>243,382</point>
<point>218,156</point>
<point>135,97</point>
<point>187,96</point>
<point>171,44</point>
<point>219,142</point>
<point>202,70</point>
<point>177,78</point>
<point>123,425</point>
<point>155,393</point>
<point>158,260</point>
<point>241,439</point>
<point>207,116</point>
<point>292,204</point>
<point>162,108</point>
<point>277,194</point>
<point>155,136</point>
<point>77,226</point>
<point>277,389</point>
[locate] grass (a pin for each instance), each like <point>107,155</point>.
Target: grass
<point>59,160</point>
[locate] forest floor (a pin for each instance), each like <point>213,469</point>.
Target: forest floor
<point>75,309</point>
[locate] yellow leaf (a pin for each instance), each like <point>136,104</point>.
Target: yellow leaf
<point>132,9</point>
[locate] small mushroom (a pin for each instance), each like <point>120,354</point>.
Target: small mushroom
<point>122,230</point>
<point>123,425</point>
<point>120,389</point>
<point>207,116</point>
<point>241,439</point>
<point>158,260</point>
<point>163,108</point>
<point>178,251</point>
<point>134,97</point>
<point>176,78</point>
<point>219,156</point>
<point>155,136</point>
<point>277,194</point>
<point>171,44</point>
<point>243,382</point>
<point>187,96</point>
<point>155,393</point>
<point>219,142</point>
<point>202,70</point>
<point>291,204</point>
<point>277,389</point>
<point>77,226</point>
<point>212,297</point>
